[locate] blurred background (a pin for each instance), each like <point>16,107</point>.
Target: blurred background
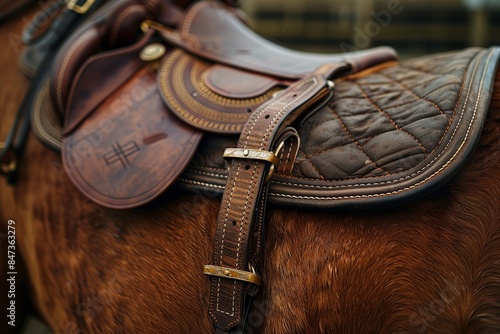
<point>412,27</point>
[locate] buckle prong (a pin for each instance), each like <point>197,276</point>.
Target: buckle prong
<point>273,167</point>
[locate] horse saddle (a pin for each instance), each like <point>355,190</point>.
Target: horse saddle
<point>143,109</point>
<point>146,94</point>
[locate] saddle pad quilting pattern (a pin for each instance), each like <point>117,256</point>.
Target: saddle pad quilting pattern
<point>392,135</point>
<point>412,114</point>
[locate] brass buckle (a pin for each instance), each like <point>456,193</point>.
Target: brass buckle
<point>273,167</point>
<point>239,275</point>
<point>7,167</point>
<point>80,9</point>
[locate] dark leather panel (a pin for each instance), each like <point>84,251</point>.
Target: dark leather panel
<point>386,137</point>
<point>116,156</point>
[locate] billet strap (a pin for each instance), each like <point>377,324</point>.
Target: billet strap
<point>241,212</point>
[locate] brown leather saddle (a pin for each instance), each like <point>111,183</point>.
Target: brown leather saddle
<point>384,137</point>
<point>145,94</point>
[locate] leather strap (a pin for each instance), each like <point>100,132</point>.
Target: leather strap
<point>38,48</point>
<point>11,149</point>
<point>246,192</point>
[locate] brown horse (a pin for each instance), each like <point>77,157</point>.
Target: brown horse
<point>431,266</point>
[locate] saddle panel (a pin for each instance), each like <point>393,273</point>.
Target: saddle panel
<point>387,136</point>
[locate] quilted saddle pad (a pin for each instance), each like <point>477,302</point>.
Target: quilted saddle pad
<point>389,135</point>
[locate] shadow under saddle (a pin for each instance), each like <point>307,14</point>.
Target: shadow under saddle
<point>145,94</point>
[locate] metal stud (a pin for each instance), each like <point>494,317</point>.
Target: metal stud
<point>152,52</point>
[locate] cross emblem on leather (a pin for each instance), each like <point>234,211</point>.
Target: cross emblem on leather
<point>121,154</point>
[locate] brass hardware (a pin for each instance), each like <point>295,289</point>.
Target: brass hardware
<point>239,275</point>
<point>149,24</point>
<point>277,93</point>
<point>254,289</point>
<point>7,167</point>
<point>80,9</point>
<point>251,154</point>
<point>262,155</point>
<point>273,167</point>
<point>168,34</point>
<point>152,52</point>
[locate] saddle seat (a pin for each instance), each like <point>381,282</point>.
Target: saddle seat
<point>391,133</point>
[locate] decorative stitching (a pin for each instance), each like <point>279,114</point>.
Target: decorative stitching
<point>152,5</point>
<point>291,148</point>
<point>389,117</point>
<point>126,12</point>
<point>445,132</point>
<point>256,164</point>
<point>188,20</point>
<point>353,139</point>
<point>403,65</point>
<point>203,184</point>
<point>222,244</point>
<point>249,191</point>
<point>418,96</point>
<point>63,69</point>
<point>207,173</point>
<point>389,181</point>
<point>409,102</point>
<point>313,166</point>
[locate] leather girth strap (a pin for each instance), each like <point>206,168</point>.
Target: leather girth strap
<point>241,213</point>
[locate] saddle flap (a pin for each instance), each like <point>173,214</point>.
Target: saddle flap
<point>99,77</point>
<point>130,148</point>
